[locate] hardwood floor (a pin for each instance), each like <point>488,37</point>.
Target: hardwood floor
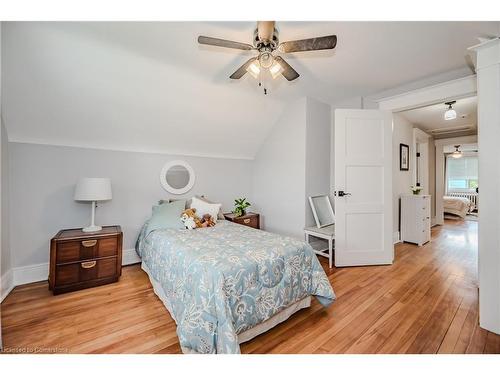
<point>426,302</point>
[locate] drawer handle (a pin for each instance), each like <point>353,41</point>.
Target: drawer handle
<point>88,264</point>
<point>246,221</point>
<point>89,243</point>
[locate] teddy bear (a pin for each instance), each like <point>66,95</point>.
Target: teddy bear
<point>207,221</point>
<point>190,219</point>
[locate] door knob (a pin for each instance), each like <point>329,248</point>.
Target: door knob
<point>342,193</point>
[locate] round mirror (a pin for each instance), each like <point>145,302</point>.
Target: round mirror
<point>177,177</point>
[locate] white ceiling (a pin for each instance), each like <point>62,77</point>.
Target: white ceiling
<point>432,117</point>
<point>149,86</point>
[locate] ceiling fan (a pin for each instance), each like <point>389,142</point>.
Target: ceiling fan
<point>266,43</point>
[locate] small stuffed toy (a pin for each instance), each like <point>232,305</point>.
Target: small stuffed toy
<point>190,219</point>
<point>207,221</point>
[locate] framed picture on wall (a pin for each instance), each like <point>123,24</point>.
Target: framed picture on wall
<point>404,157</point>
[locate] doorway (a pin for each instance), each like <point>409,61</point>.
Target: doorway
<point>446,156</point>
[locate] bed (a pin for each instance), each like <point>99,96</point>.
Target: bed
<point>227,284</point>
<point>456,206</point>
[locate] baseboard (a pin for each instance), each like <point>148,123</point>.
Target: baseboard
<point>6,284</point>
<point>40,272</point>
<point>30,274</point>
<point>129,256</point>
<point>395,238</point>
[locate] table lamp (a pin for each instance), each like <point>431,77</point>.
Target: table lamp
<point>90,189</point>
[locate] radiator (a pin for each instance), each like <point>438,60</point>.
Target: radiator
<point>473,197</point>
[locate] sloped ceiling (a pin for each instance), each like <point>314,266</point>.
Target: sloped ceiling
<point>151,87</point>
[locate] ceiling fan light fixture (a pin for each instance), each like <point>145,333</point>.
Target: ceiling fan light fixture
<point>276,69</point>
<point>450,114</point>
<point>254,69</point>
<point>266,60</point>
<point>457,154</point>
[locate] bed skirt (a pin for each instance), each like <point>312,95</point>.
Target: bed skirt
<point>243,336</point>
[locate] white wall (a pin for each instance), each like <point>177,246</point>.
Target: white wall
<point>279,173</point>
<point>5,261</point>
<point>401,180</point>
<point>292,164</point>
<point>43,179</point>
<point>2,265</point>
<point>488,84</point>
<point>318,137</point>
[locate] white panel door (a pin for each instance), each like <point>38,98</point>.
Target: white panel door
<point>363,187</point>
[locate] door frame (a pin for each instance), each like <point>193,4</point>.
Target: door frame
<point>450,90</point>
<point>440,169</point>
<point>421,139</point>
<point>423,97</point>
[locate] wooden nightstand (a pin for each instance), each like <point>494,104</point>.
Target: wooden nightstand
<point>251,219</point>
<point>81,260</point>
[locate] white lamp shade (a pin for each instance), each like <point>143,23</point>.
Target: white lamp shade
<point>93,189</point>
<point>450,114</point>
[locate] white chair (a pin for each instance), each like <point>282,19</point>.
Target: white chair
<point>325,225</point>
<point>326,233</point>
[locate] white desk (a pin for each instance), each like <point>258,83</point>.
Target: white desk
<point>326,233</point>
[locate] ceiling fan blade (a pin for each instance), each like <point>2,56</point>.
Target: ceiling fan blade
<point>288,72</point>
<point>224,43</point>
<point>312,44</point>
<point>240,72</point>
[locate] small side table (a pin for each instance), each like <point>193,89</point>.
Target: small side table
<point>81,260</point>
<point>326,233</point>
<point>250,219</point>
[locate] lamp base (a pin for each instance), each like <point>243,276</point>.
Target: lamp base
<point>92,228</point>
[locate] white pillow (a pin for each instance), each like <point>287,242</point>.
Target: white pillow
<point>203,208</point>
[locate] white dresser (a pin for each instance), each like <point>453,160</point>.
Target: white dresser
<point>416,219</point>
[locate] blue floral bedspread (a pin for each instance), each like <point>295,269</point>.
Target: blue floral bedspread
<point>223,280</point>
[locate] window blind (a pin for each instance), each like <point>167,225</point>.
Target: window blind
<point>462,173</point>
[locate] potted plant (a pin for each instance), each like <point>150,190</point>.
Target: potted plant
<point>240,206</point>
<point>416,189</point>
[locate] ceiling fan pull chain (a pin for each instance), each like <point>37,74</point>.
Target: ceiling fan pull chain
<point>262,77</point>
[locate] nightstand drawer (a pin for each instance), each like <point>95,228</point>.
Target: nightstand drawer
<point>107,247</point>
<point>84,271</point>
<point>251,219</point>
<point>248,221</point>
<point>73,251</point>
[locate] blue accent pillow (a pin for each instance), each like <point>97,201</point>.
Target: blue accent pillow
<point>167,215</point>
